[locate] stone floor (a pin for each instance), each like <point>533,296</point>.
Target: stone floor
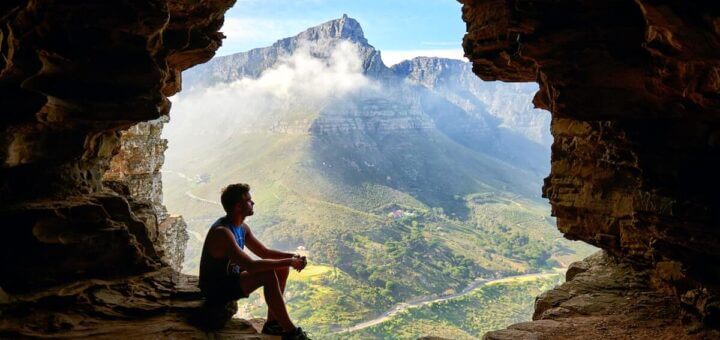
<point>161,304</point>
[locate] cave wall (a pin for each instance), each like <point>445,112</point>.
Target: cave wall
<point>634,91</point>
<point>135,173</point>
<point>73,75</point>
<point>632,85</point>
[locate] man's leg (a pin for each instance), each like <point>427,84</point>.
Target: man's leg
<point>273,295</point>
<point>282,275</point>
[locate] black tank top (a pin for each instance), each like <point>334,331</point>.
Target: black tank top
<point>212,269</point>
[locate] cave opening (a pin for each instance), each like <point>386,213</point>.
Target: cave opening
<point>632,87</point>
<point>368,167</point>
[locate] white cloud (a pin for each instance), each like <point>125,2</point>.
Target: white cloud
<point>298,82</point>
<point>393,57</point>
<point>304,77</point>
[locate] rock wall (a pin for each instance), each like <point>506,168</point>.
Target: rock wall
<point>634,90</point>
<point>632,85</point>
<point>135,172</point>
<point>77,258</point>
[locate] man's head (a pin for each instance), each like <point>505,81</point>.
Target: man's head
<point>236,199</point>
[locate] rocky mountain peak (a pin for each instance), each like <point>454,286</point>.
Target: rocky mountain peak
<point>429,70</point>
<point>321,39</point>
<point>345,28</point>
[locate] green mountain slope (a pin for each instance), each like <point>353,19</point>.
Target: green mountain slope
<point>453,220</point>
<point>395,190</point>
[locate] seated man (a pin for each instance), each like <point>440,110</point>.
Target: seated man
<point>228,273</point>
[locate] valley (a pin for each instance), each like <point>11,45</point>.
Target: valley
<point>400,183</point>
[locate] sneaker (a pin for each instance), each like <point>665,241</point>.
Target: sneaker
<point>298,334</point>
<point>272,328</point>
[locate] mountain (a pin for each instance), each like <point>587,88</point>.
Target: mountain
<point>399,182</point>
<point>491,117</point>
<point>455,81</point>
<point>324,38</point>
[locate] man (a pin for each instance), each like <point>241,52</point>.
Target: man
<point>228,273</point>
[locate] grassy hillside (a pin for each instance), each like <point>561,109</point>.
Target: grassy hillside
<point>399,184</point>
<point>407,216</point>
<point>491,307</point>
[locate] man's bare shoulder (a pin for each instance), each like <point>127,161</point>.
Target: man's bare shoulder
<point>220,232</point>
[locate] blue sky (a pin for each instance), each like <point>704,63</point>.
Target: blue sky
<point>401,29</point>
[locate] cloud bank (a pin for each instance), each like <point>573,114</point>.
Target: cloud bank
<point>298,84</point>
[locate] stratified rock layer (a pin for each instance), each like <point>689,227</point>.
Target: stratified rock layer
<point>136,169</point>
<point>604,299</point>
<point>155,305</point>
<point>634,93</point>
<point>633,87</point>
<point>77,258</point>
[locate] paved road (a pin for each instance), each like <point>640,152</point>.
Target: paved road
<point>433,299</point>
<point>198,198</point>
<point>189,193</point>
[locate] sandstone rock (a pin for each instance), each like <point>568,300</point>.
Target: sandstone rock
<point>135,169</point>
<point>159,304</point>
<point>608,300</point>
<point>80,260</point>
<point>632,86</point>
<point>634,110</point>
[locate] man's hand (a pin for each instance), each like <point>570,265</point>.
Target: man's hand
<point>297,263</point>
<point>302,260</point>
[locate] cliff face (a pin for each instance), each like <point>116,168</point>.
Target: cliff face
<point>135,172</point>
<point>79,259</point>
<point>633,90</point>
<point>417,97</point>
<point>320,41</point>
<point>632,85</point>
<point>455,81</point>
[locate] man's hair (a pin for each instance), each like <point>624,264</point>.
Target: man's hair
<point>232,194</point>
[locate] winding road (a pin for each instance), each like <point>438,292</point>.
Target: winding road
<point>198,198</point>
<point>433,299</point>
<point>189,193</point>
<point>402,306</point>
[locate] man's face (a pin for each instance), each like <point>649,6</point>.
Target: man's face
<point>245,207</point>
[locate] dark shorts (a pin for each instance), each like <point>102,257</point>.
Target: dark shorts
<point>224,289</point>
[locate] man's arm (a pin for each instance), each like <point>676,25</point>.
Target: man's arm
<point>222,244</point>
<point>260,249</point>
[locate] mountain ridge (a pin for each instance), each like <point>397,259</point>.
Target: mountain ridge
<point>399,182</point>
<point>253,62</point>
<point>450,78</point>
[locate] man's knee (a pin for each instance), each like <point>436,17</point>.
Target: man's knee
<point>282,272</point>
<point>268,277</point>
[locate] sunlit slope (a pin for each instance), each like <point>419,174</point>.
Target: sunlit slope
<point>303,177</point>
<point>314,190</point>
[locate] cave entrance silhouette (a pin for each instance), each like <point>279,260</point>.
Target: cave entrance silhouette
<point>377,166</point>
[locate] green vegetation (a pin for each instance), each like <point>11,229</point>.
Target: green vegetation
<point>494,306</point>
<point>324,298</point>
<point>412,216</point>
<point>405,190</point>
